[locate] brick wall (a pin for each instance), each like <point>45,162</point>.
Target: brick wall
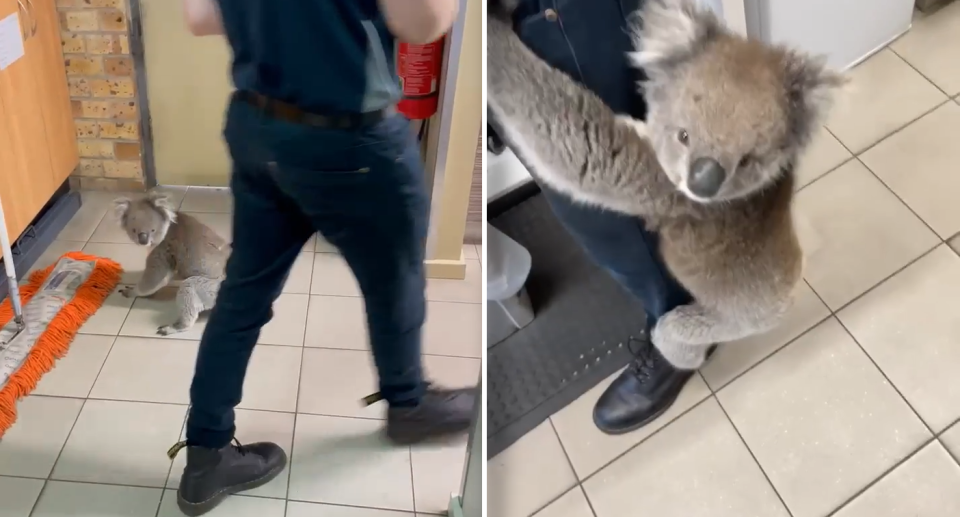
<point>100,73</point>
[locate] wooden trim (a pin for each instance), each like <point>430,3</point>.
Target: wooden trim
<point>451,206</point>
<point>446,269</point>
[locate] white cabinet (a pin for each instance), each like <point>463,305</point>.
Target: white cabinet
<point>847,31</point>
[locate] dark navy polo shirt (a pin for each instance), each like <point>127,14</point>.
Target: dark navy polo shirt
<point>320,55</point>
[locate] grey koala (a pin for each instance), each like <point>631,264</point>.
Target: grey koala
<point>711,169</point>
<point>183,248</point>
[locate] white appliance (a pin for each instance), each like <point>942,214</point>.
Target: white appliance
<point>846,31</point>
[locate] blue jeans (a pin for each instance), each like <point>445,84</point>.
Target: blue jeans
<point>364,191</point>
<point>588,41</point>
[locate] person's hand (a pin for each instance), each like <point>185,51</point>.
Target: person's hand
<point>202,17</point>
<point>419,21</point>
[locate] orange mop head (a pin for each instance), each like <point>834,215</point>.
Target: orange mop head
<point>56,303</point>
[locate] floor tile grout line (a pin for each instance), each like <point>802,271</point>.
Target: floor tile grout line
<point>36,503</point>
<point>880,140</point>
<point>917,70</point>
<point>583,491</point>
<point>251,496</point>
<point>768,356</point>
<point>829,171</point>
<point>166,480</point>
<point>853,155</point>
<point>899,198</point>
<point>296,417</point>
<point>187,405</point>
<point>752,454</point>
<point>413,480</point>
<point>309,347</point>
<point>573,469</point>
<point>886,377</point>
<point>77,419</point>
<point>103,216</point>
<point>879,283</point>
<point>666,424</point>
<point>62,447</point>
<point>882,475</point>
<point>835,315</point>
<point>948,428</point>
<point>950,453</point>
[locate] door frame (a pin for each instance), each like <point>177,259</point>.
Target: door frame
<point>451,141</point>
<point>138,54</point>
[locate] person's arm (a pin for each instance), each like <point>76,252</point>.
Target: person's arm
<point>202,17</point>
<point>419,21</point>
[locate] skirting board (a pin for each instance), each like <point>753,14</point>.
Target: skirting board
<point>446,269</point>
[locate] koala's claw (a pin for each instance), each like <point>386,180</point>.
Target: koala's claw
<point>128,292</point>
<point>166,330</point>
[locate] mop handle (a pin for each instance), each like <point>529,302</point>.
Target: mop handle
<point>12,286</point>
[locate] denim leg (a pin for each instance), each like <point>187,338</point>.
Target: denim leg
<point>620,244</point>
<point>268,234</point>
<point>373,206</point>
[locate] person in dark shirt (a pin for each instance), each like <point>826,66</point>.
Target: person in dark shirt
<point>588,40</point>
<point>316,147</point>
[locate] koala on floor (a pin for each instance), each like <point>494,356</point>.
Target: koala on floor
<point>711,170</point>
<point>183,248</point>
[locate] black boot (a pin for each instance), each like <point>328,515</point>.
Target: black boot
<point>441,413</point>
<point>642,392</point>
<point>211,474</point>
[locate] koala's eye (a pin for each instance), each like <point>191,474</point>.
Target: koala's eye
<point>151,231</point>
<point>683,137</point>
<point>745,161</point>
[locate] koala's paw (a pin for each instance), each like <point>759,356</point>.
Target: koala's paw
<point>129,291</point>
<point>682,357</point>
<point>166,330</point>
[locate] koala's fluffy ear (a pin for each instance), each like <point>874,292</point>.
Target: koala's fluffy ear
<point>120,207</point>
<point>811,89</point>
<point>664,31</point>
<point>161,201</point>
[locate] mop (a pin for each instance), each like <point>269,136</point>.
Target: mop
<point>40,318</point>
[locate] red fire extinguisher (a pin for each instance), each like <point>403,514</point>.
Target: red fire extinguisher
<point>419,68</point>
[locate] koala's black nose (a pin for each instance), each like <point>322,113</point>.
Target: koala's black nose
<point>143,238</point>
<point>706,177</point>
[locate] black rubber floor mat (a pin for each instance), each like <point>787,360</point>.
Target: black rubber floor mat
<point>578,337</point>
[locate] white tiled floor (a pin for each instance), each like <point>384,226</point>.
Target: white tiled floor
<point>92,439</point>
<point>851,407</point>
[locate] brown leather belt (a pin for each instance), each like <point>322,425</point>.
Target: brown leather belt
<point>288,112</point>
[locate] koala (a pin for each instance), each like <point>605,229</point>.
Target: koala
<point>711,169</point>
<point>182,248</point>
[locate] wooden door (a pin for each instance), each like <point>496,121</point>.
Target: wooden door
<point>12,204</point>
<point>30,181</point>
<point>54,93</point>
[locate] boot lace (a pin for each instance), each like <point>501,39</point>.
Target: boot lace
<point>645,359</point>
<point>239,447</point>
<point>179,446</point>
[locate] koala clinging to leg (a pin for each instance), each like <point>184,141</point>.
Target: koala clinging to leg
<point>711,170</point>
<point>183,248</point>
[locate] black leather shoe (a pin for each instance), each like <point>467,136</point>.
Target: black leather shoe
<point>441,413</point>
<point>644,390</point>
<point>211,474</point>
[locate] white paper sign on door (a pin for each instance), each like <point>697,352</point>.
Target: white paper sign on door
<point>11,41</point>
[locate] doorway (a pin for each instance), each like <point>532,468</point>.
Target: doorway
<point>188,84</point>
